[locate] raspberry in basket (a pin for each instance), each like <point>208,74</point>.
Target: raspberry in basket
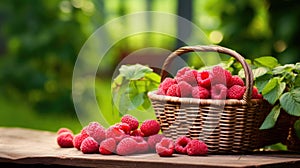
<point>173,91</point>
<point>200,92</point>
<point>218,91</point>
<point>236,92</point>
<point>189,76</point>
<point>220,76</point>
<point>204,79</point>
<point>236,80</point>
<point>166,84</point>
<point>184,89</point>
<point>256,94</point>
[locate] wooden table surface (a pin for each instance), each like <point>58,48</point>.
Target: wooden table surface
<point>19,146</point>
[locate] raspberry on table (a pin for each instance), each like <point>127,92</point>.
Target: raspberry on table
<point>131,121</point>
<point>218,91</point>
<point>181,144</point>
<point>196,148</point>
<point>137,132</point>
<point>236,92</point>
<point>96,131</point>
<point>204,79</point>
<point>65,140</point>
<point>153,140</point>
<point>184,89</point>
<point>77,141</point>
<point>236,80</point>
<point>220,76</point>
<point>142,145</point>
<point>89,145</point>
<point>108,146</point>
<point>166,83</point>
<point>124,127</point>
<point>173,91</point>
<point>126,146</point>
<point>61,130</point>
<point>150,127</point>
<point>116,133</point>
<point>200,92</point>
<point>165,148</point>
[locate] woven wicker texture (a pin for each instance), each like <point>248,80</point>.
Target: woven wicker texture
<point>226,126</point>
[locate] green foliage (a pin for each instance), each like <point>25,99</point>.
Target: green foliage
<point>297,128</point>
<point>130,90</point>
<point>271,118</point>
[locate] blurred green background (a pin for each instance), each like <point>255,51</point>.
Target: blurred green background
<point>40,41</point>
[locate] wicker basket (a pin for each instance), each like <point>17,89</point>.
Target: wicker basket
<point>226,126</point>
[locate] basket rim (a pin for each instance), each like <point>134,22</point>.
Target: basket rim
<point>196,101</point>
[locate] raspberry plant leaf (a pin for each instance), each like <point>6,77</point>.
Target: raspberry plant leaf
<point>271,119</point>
<point>266,61</point>
<point>273,90</point>
<point>297,128</point>
<point>290,102</point>
<point>258,72</point>
<point>134,72</point>
<point>262,81</point>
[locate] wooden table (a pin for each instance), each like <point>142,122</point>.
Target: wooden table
<point>32,148</point>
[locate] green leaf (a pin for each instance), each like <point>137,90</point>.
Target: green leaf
<point>136,100</point>
<point>134,72</point>
<point>273,90</point>
<point>297,128</point>
<point>260,71</point>
<point>271,119</point>
<point>267,61</point>
<point>262,81</point>
<point>290,102</point>
<point>297,81</point>
<point>283,69</point>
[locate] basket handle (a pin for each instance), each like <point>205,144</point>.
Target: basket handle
<point>213,48</point>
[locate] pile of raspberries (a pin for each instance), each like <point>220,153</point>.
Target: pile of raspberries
<point>127,138</point>
<point>218,83</point>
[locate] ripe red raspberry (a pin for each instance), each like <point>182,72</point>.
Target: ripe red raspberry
<point>126,146</point>
<point>184,89</point>
<point>166,83</point>
<point>189,77</point>
<point>108,146</point>
<point>218,91</point>
<point>204,79</point>
<point>181,144</point>
<point>256,94</point>
<point>182,71</point>
<point>196,148</point>
<point>236,80</point>
<point>220,76</point>
<point>96,131</point>
<point>61,130</point>
<point>173,91</point>
<point>77,141</point>
<point>124,127</point>
<point>131,121</point>
<point>200,92</point>
<point>153,140</point>
<point>236,92</point>
<point>165,148</point>
<point>150,127</point>
<point>142,145</point>
<point>65,140</point>
<point>136,132</point>
<point>116,133</point>
<point>89,145</point>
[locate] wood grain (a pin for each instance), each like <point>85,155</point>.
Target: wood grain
<point>25,146</point>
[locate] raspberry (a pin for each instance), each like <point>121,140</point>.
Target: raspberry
<point>200,92</point>
<point>124,127</point>
<point>220,76</point>
<point>65,140</point>
<point>61,130</point>
<point>184,89</point>
<point>150,127</point>
<point>77,141</point>
<point>96,131</point>
<point>173,91</point>
<point>153,140</point>
<point>256,94</point>
<point>142,145</point>
<point>136,132</point>
<point>116,133</point>
<point>131,121</point>
<point>89,145</point>
<point>165,148</point>
<point>108,146</point>
<point>196,148</point>
<point>204,79</point>
<point>189,77</point>
<point>218,91</point>
<point>160,91</point>
<point>181,144</point>
<point>164,86</point>
<point>126,146</point>
<point>236,92</point>
<point>182,71</point>
<point>236,80</point>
